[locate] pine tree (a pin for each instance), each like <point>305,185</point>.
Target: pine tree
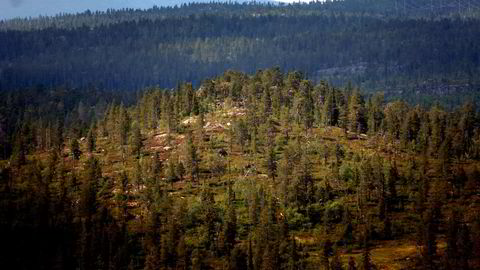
<point>367,263</point>
<point>271,163</point>
<point>91,140</point>
<point>230,229</point>
<point>180,170</point>
<point>437,128</point>
<point>267,103</point>
<point>304,186</point>
<point>157,167</point>
<point>250,265</point>
<point>192,158</point>
<point>391,186</point>
<point>123,126</point>
<point>58,134</point>
<point>241,131</point>
<point>356,113</point>
<point>330,109</point>
<point>171,176</point>
<point>452,237</point>
<point>426,237</point>
<point>209,217</point>
<point>152,258</point>
<point>136,143</point>
<point>200,125</point>
<point>375,113</point>
<point>183,260</point>
<point>19,152</point>
<point>307,106</point>
<point>75,149</point>
<point>253,142</point>
<point>123,198</point>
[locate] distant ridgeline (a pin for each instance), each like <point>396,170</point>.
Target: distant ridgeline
<point>417,50</point>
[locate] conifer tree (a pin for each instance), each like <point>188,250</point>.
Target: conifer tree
<point>171,175</point>
<point>367,263</point>
<point>75,149</point>
<point>304,186</point>
<point>267,103</point>
<point>123,126</point>
<point>391,186</point>
<point>426,237</point>
<point>183,256</point>
<point>241,131</point>
<point>307,106</point>
<point>330,109</point>
<point>136,143</point>
<point>452,237</point>
<point>271,162</point>
<point>356,113</point>
<point>19,152</point>
<point>192,158</point>
<point>180,170</point>
<point>209,217</point>
<point>437,130</point>
<point>58,134</point>
<point>230,227</point>
<point>91,140</point>
<point>253,142</point>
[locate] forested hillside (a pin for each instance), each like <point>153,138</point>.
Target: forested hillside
<point>261,171</point>
<point>415,53</point>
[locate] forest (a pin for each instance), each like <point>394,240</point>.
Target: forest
<point>268,170</point>
<point>415,51</point>
<point>260,136</point>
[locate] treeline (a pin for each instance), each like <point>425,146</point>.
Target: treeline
<point>120,204</point>
<point>393,9</point>
<point>377,53</point>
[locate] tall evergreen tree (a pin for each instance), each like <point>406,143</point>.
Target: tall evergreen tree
<point>75,149</point>
<point>192,158</point>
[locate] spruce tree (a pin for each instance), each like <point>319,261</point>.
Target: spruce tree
<point>75,149</point>
<point>91,140</point>
<point>192,158</point>
<point>367,263</point>
<point>452,237</point>
<point>136,143</point>
<point>271,162</point>
<point>230,227</point>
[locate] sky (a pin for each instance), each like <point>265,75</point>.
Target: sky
<point>33,8</point>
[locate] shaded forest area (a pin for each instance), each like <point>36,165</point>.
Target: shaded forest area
<point>262,171</point>
<point>419,58</point>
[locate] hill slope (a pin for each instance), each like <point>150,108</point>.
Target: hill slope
<point>267,170</point>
